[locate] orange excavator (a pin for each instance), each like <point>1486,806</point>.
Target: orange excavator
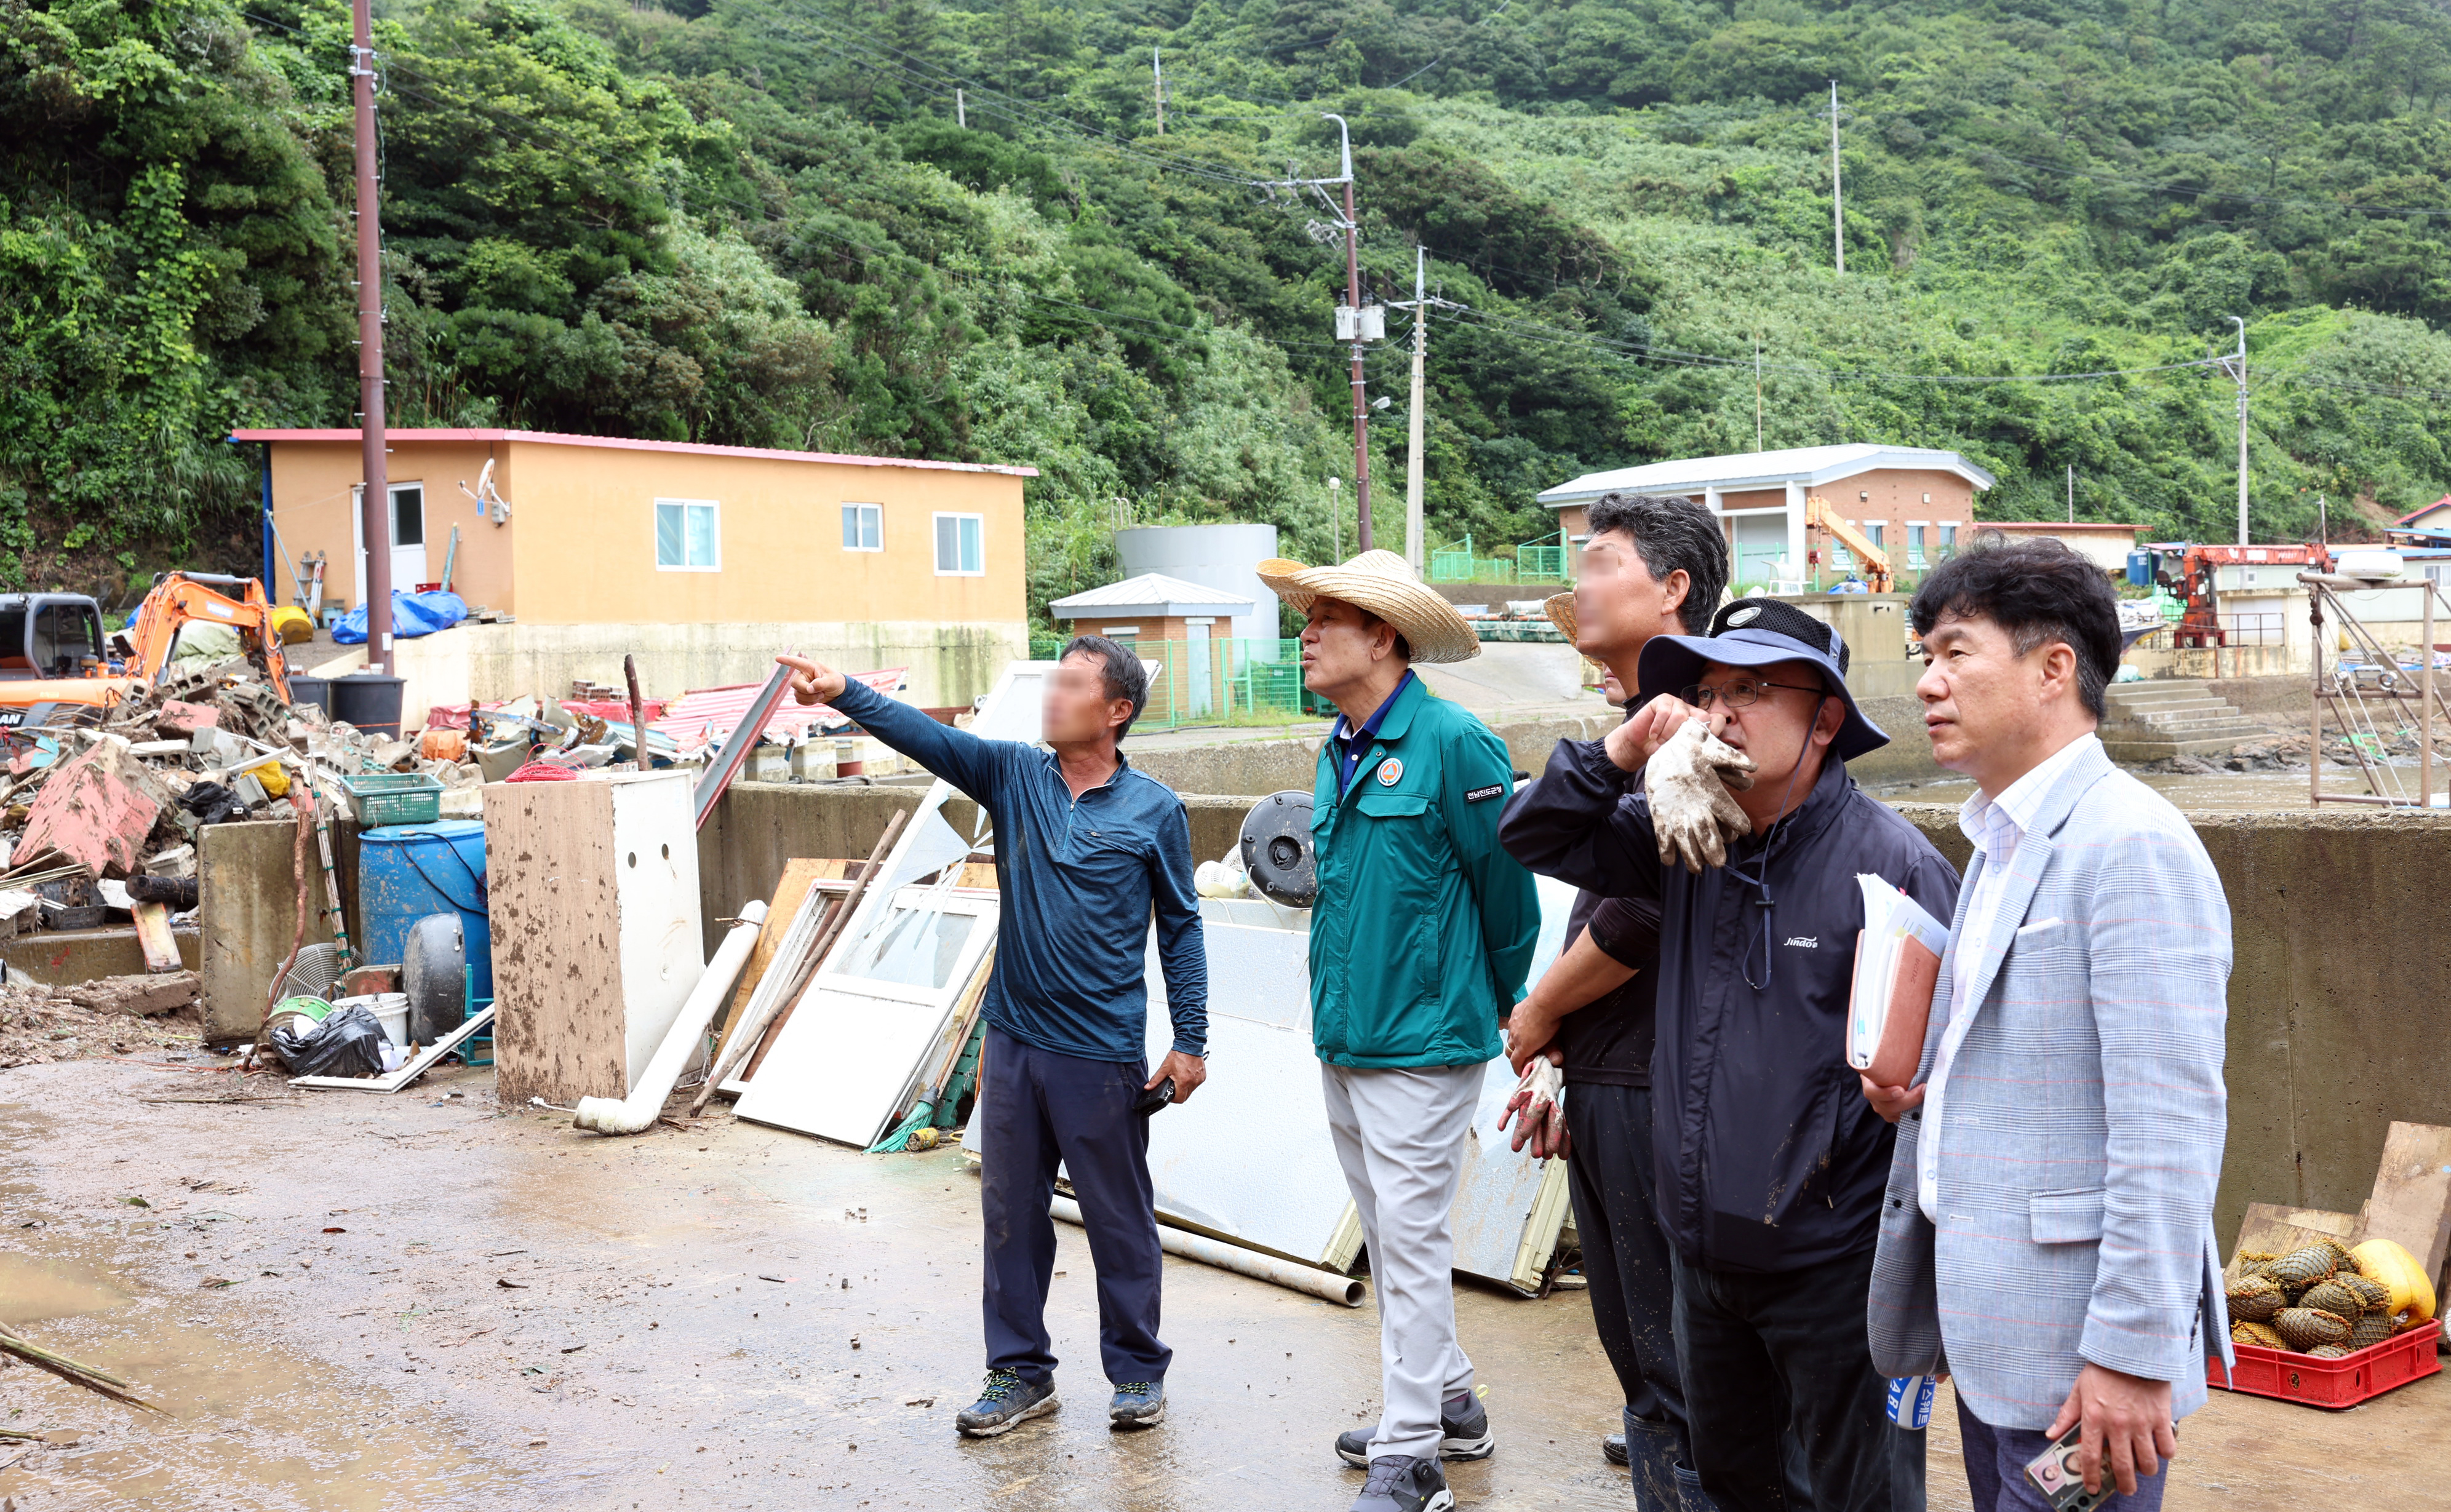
<point>57,668</point>
<point>1875,561</point>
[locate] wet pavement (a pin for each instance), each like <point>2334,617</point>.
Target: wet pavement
<point>349,1301</point>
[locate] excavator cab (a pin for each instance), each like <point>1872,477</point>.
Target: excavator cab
<point>49,635</point>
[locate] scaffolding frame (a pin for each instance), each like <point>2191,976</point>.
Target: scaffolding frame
<point>2349,689</point>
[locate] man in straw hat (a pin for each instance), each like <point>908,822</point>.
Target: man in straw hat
<point>1770,1165</point>
<point>1649,566</point>
<point>1419,940</point>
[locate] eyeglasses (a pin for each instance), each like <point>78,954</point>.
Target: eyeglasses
<point>1738,693</point>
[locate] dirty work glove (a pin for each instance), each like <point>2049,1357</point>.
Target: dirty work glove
<point>1535,1108</point>
<point>1691,812</point>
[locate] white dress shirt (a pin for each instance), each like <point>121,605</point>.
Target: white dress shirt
<point>1995,826</point>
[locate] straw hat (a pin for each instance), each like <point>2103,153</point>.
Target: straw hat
<point>1381,583</point>
<point>1562,612</point>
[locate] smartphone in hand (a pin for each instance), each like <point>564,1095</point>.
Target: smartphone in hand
<point>1153,1098</point>
<point>2061,1480</point>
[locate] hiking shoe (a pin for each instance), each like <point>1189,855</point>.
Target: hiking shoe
<point>1398,1483</point>
<point>1005,1403</point>
<point>1463,1434</point>
<point>1613,1448</point>
<point>1137,1405</point>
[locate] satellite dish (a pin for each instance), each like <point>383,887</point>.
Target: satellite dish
<point>1275,849</point>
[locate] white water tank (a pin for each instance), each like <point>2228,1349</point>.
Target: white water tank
<point>1223,557</point>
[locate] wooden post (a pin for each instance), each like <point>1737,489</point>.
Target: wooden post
<point>637,709</point>
<point>2315,697</point>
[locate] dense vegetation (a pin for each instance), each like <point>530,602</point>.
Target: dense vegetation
<point>759,221</point>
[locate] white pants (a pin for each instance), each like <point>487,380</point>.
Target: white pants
<point>1400,1137</point>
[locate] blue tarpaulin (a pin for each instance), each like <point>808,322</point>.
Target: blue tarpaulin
<point>412,614</point>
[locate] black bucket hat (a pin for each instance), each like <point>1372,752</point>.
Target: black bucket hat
<point>1758,632</point>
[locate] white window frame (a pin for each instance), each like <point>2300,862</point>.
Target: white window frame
<point>654,544</point>
<point>935,543</point>
<point>867,512</point>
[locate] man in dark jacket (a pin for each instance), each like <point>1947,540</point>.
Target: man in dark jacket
<point>1650,566</point>
<point>1770,1167</point>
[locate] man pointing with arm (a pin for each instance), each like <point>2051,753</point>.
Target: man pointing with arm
<point>1087,849</point>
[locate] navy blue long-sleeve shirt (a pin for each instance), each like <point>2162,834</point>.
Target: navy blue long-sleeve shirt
<point>1080,879</point>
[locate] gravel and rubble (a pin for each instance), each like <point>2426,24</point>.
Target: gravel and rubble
<point>109,1015</point>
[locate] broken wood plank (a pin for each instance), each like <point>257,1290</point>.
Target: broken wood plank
<point>2411,1205</point>
<point>153,935</point>
<point>2270,1228</point>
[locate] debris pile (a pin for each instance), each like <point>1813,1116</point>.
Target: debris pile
<point>112,1015</point>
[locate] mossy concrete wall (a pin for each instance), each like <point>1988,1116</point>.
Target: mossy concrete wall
<point>2340,993</point>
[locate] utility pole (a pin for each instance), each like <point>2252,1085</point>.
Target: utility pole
<point>1157,85</point>
<point>1837,205</point>
<point>1353,296</point>
<point>1335,521</point>
<point>1414,547</point>
<point>961,111</point>
<point>2236,368</point>
<point>2072,485</point>
<point>1354,323</point>
<point>374,514</point>
<point>1757,428</point>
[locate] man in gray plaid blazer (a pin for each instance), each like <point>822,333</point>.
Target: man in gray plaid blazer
<point>2047,1233</point>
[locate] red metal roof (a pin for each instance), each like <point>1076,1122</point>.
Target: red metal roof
<point>547,438</point>
<point>2428,509</point>
<point>693,719</point>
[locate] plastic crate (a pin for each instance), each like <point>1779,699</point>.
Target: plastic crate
<point>2342,1383</point>
<point>394,798</point>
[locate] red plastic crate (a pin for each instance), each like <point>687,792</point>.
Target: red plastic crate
<point>2342,1383</point>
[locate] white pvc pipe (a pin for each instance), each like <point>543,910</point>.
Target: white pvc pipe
<point>1343,1291</point>
<point>632,1114</point>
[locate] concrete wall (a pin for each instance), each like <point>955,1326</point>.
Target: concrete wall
<point>247,887</point>
<point>2335,1030</point>
<point>2340,1001</point>
<point>951,663</point>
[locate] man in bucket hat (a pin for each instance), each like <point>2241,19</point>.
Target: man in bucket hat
<point>1769,1168</point>
<point>1419,941</point>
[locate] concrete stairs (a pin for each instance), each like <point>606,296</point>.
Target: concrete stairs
<point>2170,717</point>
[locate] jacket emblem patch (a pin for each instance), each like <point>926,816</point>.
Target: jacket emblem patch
<point>1389,771</point>
<point>1809,942</point>
<point>1490,792</point>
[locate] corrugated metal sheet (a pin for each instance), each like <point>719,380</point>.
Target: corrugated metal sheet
<point>694,719</point>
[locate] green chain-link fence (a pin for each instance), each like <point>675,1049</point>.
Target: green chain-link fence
<point>1218,680</point>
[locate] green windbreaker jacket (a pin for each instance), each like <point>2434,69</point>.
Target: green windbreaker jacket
<point>1424,928</point>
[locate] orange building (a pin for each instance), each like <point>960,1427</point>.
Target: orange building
<point>701,560</point>
<point>1914,503</point>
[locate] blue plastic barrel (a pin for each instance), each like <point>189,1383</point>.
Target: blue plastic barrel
<point>406,872</point>
<point>2140,568</point>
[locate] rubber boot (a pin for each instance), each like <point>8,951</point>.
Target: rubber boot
<point>1689,1495</point>
<point>1652,1450</point>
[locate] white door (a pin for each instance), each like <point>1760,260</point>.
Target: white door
<point>408,537</point>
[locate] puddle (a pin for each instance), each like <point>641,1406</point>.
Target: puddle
<point>245,1424</point>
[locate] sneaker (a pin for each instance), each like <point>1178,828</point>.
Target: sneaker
<point>1613,1448</point>
<point>1137,1405</point>
<point>1463,1434</point>
<point>1398,1483</point>
<point>1005,1403</point>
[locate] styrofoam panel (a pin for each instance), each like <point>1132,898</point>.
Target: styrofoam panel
<point>661,941</point>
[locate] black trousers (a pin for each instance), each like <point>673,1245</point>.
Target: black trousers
<point>1745,1342</point>
<point>1040,1109</point>
<point>1625,1258</point>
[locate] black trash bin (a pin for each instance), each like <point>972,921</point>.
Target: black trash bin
<point>368,701</point>
<point>304,690</point>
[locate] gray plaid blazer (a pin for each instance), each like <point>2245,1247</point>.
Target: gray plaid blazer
<point>2081,1139</point>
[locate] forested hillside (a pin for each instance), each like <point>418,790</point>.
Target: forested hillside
<point>760,221</point>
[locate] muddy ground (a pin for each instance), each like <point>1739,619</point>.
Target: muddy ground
<point>349,1301</point>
